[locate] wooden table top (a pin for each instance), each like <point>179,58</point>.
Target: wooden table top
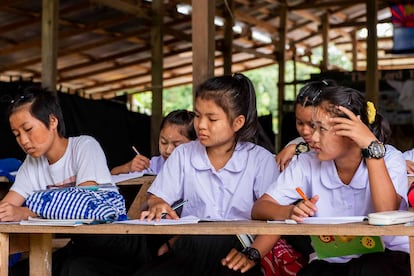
<point>219,228</point>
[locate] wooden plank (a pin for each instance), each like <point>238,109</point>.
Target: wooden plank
<point>4,254</point>
<point>141,197</point>
<point>372,79</point>
<point>49,43</point>
<point>203,40</point>
<point>40,256</point>
<point>218,228</point>
<point>139,202</point>
<point>157,66</point>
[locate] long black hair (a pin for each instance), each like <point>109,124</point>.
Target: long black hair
<point>331,97</point>
<point>184,118</point>
<point>236,96</point>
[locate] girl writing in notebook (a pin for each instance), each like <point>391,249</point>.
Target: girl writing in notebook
<point>351,172</point>
<point>176,129</point>
<point>220,175</point>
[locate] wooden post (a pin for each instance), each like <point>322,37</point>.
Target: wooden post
<point>354,51</point>
<point>325,42</point>
<point>203,39</point>
<point>156,71</point>
<point>372,80</point>
<point>228,39</point>
<point>50,17</point>
<point>40,257</point>
<point>281,60</point>
<point>4,249</point>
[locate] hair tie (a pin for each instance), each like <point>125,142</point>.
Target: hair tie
<point>371,112</point>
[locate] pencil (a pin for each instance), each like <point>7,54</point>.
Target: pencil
<point>135,149</point>
<point>137,152</point>
<point>301,193</point>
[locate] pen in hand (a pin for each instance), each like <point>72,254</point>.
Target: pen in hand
<point>175,207</point>
<point>135,149</point>
<point>302,194</point>
<point>137,152</point>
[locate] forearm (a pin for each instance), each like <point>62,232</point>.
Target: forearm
<point>383,194</point>
<point>264,243</point>
<point>121,169</point>
<point>267,209</point>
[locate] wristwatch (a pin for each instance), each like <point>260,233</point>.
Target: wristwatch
<point>252,253</point>
<point>375,150</point>
<point>302,147</point>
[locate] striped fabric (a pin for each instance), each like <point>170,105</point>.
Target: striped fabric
<point>78,203</point>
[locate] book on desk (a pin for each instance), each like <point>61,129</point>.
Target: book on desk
<point>327,246</point>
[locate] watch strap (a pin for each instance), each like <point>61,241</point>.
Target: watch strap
<point>252,253</point>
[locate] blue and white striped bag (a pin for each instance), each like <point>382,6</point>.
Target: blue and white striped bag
<point>78,203</point>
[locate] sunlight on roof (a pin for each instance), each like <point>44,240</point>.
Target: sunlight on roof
<point>184,9</point>
<point>383,30</point>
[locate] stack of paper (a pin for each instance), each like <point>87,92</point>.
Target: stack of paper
<point>183,220</point>
<point>56,222</point>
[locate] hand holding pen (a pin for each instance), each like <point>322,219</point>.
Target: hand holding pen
<point>174,207</point>
<point>139,162</point>
<point>159,209</point>
<point>304,208</point>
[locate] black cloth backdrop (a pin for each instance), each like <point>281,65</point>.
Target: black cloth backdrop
<point>115,127</point>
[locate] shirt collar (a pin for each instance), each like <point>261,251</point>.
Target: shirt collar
<point>200,161</point>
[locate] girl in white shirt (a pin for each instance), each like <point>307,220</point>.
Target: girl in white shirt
<point>349,173</point>
<point>220,175</point>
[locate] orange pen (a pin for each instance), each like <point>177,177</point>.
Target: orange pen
<point>301,193</point>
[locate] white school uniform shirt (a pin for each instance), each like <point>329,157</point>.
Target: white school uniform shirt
<point>156,164</point>
<point>317,177</point>
<point>409,154</point>
<point>83,160</point>
<point>226,194</point>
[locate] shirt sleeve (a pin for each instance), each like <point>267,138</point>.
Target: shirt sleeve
<point>409,155</point>
<point>395,164</point>
<point>91,162</point>
<point>295,141</point>
<point>171,174</point>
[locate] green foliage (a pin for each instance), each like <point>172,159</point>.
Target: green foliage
<point>265,81</point>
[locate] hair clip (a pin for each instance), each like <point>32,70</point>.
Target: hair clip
<point>316,96</point>
<point>371,112</point>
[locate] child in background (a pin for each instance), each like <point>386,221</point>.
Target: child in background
<point>176,129</point>
<point>350,172</point>
<point>303,115</point>
<point>220,175</point>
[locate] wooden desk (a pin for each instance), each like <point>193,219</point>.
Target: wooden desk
<point>136,206</point>
<point>41,236</point>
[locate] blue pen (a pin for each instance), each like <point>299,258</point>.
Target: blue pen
<point>175,207</point>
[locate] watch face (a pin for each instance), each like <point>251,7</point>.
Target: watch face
<point>302,147</point>
<point>376,150</point>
